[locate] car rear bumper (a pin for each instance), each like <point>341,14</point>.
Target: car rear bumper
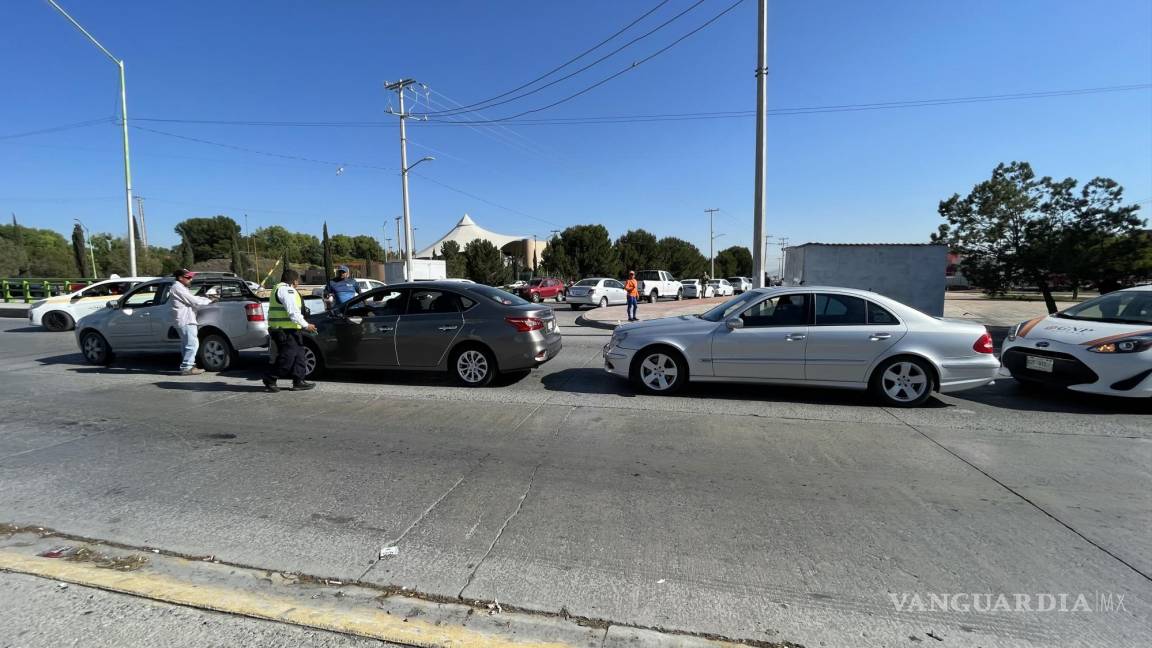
<point>584,299</point>
<point>533,355</point>
<point>959,374</point>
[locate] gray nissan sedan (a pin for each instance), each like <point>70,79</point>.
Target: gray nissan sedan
<point>807,335</point>
<point>472,331</point>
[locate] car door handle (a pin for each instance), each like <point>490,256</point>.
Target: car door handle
<point>449,328</point>
<point>387,329</point>
<point>876,337</point>
<point>795,337</point>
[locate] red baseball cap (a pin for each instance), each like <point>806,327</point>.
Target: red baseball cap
<point>183,272</point>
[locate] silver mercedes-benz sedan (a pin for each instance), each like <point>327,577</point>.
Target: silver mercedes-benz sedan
<point>471,331</point>
<point>807,335</point>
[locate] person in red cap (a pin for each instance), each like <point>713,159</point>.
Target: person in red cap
<point>184,307</point>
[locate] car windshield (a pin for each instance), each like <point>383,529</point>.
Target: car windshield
<point>497,295</point>
<point>535,282</point>
<point>728,308</point>
<point>1126,307</point>
<point>588,282</point>
<point>714,282</point>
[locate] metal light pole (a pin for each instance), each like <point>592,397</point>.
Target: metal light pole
<point>399,87</point>
<point>124,123</point>
<point>711,239</point>
<point>760,222</point>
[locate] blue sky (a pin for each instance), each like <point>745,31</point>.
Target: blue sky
<point>834,177</point>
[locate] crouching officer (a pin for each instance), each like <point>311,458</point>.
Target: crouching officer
<point>285,324</point>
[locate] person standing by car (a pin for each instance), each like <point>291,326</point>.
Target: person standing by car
<point>341,288</point>
<point>184,307</point>
<point>633,290</point>
<point>285,323</point>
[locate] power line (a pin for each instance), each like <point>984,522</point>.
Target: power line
<point>569,61</point>
<point>57,129</point>
<point>635,64</point>
<point>571,74</point>
<point>483,200</point>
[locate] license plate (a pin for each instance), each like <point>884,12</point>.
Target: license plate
<point>1036,363</point>
<point>552,326</point>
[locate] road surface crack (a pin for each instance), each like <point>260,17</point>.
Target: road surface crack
<point>519,506</point>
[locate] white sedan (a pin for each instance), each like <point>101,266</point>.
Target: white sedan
<point>62,312</point>
<point>1102,346</point>
<point>692,289</point>
<point>722,287</point>
<point>596,291</point>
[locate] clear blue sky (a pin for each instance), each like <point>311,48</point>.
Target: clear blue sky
<point>836,177</point>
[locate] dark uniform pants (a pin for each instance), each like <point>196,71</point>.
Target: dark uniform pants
<point>289,355</point>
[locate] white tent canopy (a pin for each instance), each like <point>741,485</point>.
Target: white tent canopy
<point>464,233</point>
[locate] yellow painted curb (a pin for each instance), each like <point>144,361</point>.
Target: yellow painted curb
<point>374,624</point>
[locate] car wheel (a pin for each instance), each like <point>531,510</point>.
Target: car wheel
<point>535,298</point>
<point>215,352</point>
<point>472,366</point>
<point>603,302</point>
<point>313,365</point>
<point>679,294</point>
<point>652,297</point>
<point>659,371</point>
<point>57,321</point>
<point>902,382</point>
<point>95,348</point>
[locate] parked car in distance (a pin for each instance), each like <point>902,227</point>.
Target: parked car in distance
<point>61,313</point>
<point>471,331</point>
<point>655,284</point>
<point>1100,346</point>
<point>806,335</point>
<point>694,290</point>
<point>542,288</point>
<point>364,284</point>
<point>596,291</point>
<point>142,322</point>
<point>740,284</point>
<point>722,287</point>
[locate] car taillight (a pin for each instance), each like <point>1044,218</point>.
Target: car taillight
<point>255,312</point>
<point>525,324</point>
<point>984,344</point>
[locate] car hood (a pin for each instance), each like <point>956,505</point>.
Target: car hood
<point>1070,331</point>
<point>680,324</point>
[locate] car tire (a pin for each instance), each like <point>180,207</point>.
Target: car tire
<point>653,296</point>
<point>95,349</point>
<point>215,353</point>
<point>603,302</point>
<point>903,382</point>
<point>535,298</point>
<point>313,361</point>
<point>652,368</point>
<point>472,366</point>
<point>680,294</point>
<point>57,321</point>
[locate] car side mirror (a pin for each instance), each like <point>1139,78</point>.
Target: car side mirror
<point>75,297</point>
<point>113,303</point>
<point>734,324</point>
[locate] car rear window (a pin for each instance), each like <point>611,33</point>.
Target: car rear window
<point>650,275</point>
<point>497,295</point>
<point>588,282</point>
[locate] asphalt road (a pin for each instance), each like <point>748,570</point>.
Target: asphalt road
<point>747,512</point>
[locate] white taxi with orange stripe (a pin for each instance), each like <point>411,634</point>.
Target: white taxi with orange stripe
<point>62,312</point>
<point>1102,346</point>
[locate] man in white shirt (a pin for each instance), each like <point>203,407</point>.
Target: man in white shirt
<point>285,323</point>
<point>184,307</point>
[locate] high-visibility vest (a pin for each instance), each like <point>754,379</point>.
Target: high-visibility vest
<point>278,315</point>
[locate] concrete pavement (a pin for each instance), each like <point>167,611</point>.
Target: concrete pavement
<point>750,513</point>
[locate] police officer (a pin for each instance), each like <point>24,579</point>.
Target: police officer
<point>341,288</point>
<point>285,324</point>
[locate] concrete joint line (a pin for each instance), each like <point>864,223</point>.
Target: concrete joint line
<point>519,505</point>
<point>1024,498</point>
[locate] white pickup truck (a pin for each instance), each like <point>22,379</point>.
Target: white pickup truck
<point>655,284</point>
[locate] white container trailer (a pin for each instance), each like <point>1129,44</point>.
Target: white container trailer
<point>422,270</point>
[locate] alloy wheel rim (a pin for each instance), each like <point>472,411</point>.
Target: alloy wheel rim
<point>472,366</point>
<point>93,348</point>
<point>904,382</point>
<point>603,302</point>
<point>659,371</point>
<point>309,361</point>
<point>214,353</point>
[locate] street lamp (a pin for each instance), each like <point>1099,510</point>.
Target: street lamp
<point>124,123</point>
<point>91,250</point>
<point>407,217</point>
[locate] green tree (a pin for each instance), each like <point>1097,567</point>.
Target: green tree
<point>308,249</point>
<point>367,247</point>
<point>236,265</point>
<point>329,263</point>
<point>484,263</point>
<point>211,238</point>
<point>681,258</point>
<point>454,263</point>
<point>274,241</point>
<point>590,250</point>
<point>735,261</point>
<point>637,251</point>
<point>342,246</point>
<point>112,257</point>
<point>556,261</point>
<point>187,257</point>
<point>80,251</point>
<point>39,252</point>
<point>11,258</point>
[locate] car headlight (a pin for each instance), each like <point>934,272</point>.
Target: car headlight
<point>619,337</point>
<point>1127,345</point>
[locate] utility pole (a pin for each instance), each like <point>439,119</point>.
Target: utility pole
<point>711,240</point>
<point>399,87</point>
<point>124,123</point>
<point>760,222</point>
<point>783,244</point>
<point>143,225</point>
<point>399,249</point>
